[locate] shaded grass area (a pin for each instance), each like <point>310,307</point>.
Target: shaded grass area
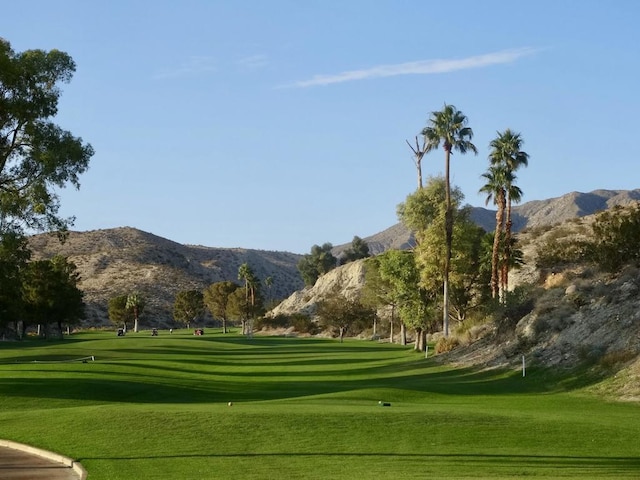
<point>156,407</point>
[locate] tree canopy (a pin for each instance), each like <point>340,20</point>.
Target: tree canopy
<point>188,306</point>
<point>36,155</point>
<point>359,249</point>
<point>50,293</point>
<point>217,298</point>
<point>316,263</point>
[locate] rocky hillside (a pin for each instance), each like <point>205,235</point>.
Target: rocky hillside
<point>117,261</point>
<point>577,315</point>
<point>120,260</point>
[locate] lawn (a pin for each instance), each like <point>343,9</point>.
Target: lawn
<point>157,408</point>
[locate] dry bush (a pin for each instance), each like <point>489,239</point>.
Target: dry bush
<point>446,344</point>
<point>617,358</point>
<point>556,280</point>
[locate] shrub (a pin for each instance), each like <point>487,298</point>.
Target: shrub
<point>446,344</point>
<point>518,303</point>
<point>303,324</point>
<point>279,321</point>
<point>619,357</point>
<point>555,252</point>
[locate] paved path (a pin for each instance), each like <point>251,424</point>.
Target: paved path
<point>18,464</point>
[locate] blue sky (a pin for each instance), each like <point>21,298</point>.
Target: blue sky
<point>280,124</point>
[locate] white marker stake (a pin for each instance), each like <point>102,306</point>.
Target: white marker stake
<point>426,352</point>
<point>523,366</point>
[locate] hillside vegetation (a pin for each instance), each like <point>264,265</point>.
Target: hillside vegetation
<point>121,260</point>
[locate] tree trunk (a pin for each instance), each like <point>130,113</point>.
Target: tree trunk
<point>341,334</point>
<point>495,286</point>
<point>393,309</point>
<point>224,325</point>
<point>135,325</point>
<point>448,227</point>
<point>403,334</point>
<point>417,346</point>
<point>506,259</point>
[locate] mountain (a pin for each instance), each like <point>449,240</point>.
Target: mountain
<point>121,260</point>
<point>536,213</point>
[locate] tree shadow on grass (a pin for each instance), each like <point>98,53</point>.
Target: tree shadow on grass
<point>590,466</point>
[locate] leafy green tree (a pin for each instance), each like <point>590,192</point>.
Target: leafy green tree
<point>50,293</point>
<point>616,237</point>
<point>118,313</point>
<point>449,127</point>
<point>470,266</point>
<point>217,298</point>
<point>378,293</point>
<point>342,314</point>
<point>238,308</point>
<point>316,263</point>
<point>188,306</point>
<point>36,156</point>
<point>424,213</point>
<point>14,255</point>
<point>359,249</point>
<point>413,301</point>
<point>135,305</point>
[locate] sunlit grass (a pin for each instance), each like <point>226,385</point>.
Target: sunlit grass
<point>157,407</point>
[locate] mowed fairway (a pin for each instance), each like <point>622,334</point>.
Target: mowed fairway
<point>157,408</point>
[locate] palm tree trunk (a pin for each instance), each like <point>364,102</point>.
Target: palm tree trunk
<point>495,253</point>
<point>506,258</point>
<point>448,226</point>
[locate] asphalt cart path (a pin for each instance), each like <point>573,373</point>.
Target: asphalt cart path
<point>22,462</point>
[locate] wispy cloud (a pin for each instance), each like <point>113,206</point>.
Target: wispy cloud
<point>254,61</point>
<point>194,65</point>
<point>421,67</point>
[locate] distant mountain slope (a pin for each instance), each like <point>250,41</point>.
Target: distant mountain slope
<point>121,260</point>
<point>531,214</point>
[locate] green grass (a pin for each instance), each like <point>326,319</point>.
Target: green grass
<point>156,408</point>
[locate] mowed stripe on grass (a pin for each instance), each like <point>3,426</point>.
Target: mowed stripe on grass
<point>157,407</point>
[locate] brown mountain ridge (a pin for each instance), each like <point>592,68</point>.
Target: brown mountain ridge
<point>118,261</point>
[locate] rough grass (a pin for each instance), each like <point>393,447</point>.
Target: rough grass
<point>156,408</point>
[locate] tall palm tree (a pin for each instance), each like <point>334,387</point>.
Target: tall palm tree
<point>449,127</point>
<point>250,285</point>
<point>506,150</point>
<point>495,188</point>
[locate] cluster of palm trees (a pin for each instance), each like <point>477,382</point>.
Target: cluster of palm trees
<point>449,127</point>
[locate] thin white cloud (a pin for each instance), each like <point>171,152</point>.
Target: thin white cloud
<point>194,65</point>
<point>421,67</point>
<point>254,61</point>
